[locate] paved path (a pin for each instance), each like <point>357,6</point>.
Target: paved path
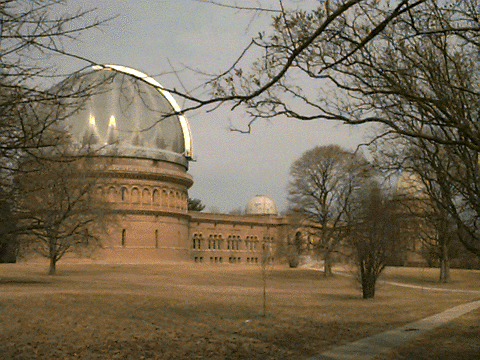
<point>368,348</point>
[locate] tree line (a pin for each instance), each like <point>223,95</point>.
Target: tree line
<point>345,207</point>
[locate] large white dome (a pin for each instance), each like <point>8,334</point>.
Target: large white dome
<point>261,205</point>
<point>128,114</point>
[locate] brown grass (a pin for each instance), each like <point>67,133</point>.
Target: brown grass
<point>189,311</point>
<point>458,340</point>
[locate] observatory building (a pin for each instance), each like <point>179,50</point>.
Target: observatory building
<point>136,124</point>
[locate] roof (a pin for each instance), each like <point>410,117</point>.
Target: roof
<point>126,113</point>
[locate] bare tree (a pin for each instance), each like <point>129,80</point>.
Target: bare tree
<point>433,185</point>
<point>321,189</point>
<point>375,235</point>
<point>295,247</point>
<point>31,33</point>
<point>431,164</point>
<point>300,45</point>
<point>61,205</point>
<point>334,63</point>
<point>8,226</point>
<point>266,262</point>
<point>411,66</point>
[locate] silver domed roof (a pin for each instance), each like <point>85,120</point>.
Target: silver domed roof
<point>261,205</point>
<point>127,114</point>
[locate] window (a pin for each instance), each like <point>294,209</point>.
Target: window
<point>156,239</point>
<point>156,196</point>
<point>99,192</point>
<point>215,242</point>
<point>111,194</point>
<point>135,195</point>
<point>124,237</point>
<point>164,197</point>
<point>197,241</point>
<point>146,197</point>
<point>124,194</point>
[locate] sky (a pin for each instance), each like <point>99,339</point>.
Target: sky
<point>156,36</point>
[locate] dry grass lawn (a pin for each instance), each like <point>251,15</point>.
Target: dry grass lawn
<point>457,340</point>
<point>189,311</point>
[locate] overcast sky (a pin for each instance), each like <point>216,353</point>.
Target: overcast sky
<point>152,36</point>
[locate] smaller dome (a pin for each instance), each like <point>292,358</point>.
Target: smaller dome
<point>261,205</point>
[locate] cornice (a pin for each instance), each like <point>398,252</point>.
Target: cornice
<point>139,174</point>
<point>150,213</point>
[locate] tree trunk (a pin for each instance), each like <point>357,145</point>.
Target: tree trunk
<point>444,264</point>
<point>327,264</point>
<point>292,257</point>
<point>264,295</point>
<point>368,286</point>
<point>53,263</point>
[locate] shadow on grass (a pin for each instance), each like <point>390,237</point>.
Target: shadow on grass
<point>340,296</point>
<point>23,281</point>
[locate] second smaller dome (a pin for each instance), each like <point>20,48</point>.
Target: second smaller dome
<point>261,205</point>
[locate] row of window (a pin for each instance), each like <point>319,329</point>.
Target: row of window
<point>231,260</point>
<point>230,237</point>
<point>216,242</point>
<point>164,197</point>
<point>212,244</point>
<point>254,260</point>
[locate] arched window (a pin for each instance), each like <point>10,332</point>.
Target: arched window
<point>177,200</point>
<point>164,198</point>
<point>156,239</point>
<point>135,195</point>
<point>99,192</point>
<point>156,197</point>
<point>124,194</point>
<point>184,201</point>
<point>146,197</point>
<point>111,194</point>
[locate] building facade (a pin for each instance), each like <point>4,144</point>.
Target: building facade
<point>129,119</point>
